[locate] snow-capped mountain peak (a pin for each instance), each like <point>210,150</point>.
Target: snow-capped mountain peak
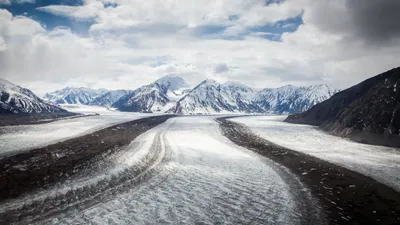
<point>291,99</point>
<point>155,97</point>
<point>109,98</point>
<point>172,83</point>
<point>70,95</point>
<point>4,83</point>
<point>15,99</point>
<point>212,97</point>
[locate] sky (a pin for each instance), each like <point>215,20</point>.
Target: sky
<point>123,44</point>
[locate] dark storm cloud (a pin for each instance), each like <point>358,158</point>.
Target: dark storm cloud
<point>375,21</point>
<point>220,68</point>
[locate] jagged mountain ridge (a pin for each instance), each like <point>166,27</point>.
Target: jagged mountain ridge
<point>109,98</point>
<point>172,94</point>
<point>211,97</point>
<point>368,112</point>
<point>155,97</point>
<point>15,99</point>
<point>290,99</point>
<point>70,95</point>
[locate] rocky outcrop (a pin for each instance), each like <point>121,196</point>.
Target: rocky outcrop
<point>368,112</point>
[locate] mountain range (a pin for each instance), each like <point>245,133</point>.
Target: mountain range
<point>212,97</point>
<point>172,94</point>
<point>368,112</point>
<point>71,95</point>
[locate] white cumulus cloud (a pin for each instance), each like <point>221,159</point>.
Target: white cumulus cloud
<point>135,42</point>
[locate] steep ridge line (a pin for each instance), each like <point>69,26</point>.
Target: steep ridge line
<point>347,197</point>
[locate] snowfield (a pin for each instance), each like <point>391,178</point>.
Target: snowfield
<point>380,163</point>
<point>14,139</point>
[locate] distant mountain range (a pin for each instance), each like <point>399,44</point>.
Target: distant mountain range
<point>109,98</point>
<point>172,94</point>
<point>15,99</point>
<point>210,97</point>
<point>368,112</point>
<point>70,95</point>
<point>290,99</point>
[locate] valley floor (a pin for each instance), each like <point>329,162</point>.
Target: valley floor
<point>178,170</point>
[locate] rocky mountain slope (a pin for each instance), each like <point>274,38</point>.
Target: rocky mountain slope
<point>155,97</point>
<point>71,95</point>
<point>15,99</point>
<point>291,99</point>
<point>367,112</point>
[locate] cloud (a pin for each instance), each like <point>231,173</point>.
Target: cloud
<point>220,68</point>
<point>289,26</point>
<point>17,25</point>
<point>135,42</point>
<point>184,13</point>
<point>88,11</point>
<point>9,2</point>
<point>374,22</point>
<point>3,45</point>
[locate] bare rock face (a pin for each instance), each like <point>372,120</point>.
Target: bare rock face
<point>368,112</point>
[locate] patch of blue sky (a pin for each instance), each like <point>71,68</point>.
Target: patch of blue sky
<point>208,32</point>
<point>274,32</point>
<point>269,2</point>
<point>110,4</point>
<point>271,32</point>
<point>233,17</point>
<point>48,20</point>
<point>81,27</point>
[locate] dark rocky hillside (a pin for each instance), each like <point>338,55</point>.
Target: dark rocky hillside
<point>17,100</point>
<point>368,112</point>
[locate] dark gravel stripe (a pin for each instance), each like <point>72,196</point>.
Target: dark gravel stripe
<point>35,118</point>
